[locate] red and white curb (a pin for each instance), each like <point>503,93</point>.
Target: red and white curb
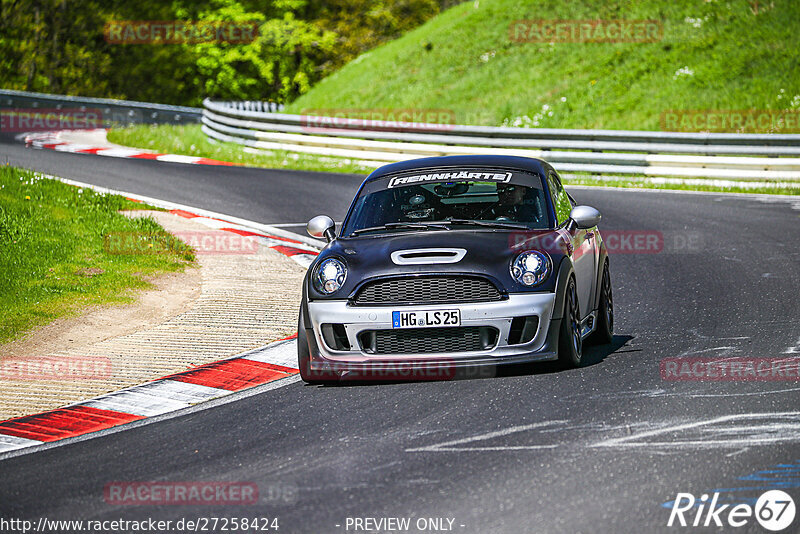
<point>179,391</point>
<point>276,362</point>
<point>299,248</point>
<point>298,251</point>
<point>52,140</point>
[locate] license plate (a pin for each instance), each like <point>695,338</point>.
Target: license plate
<point>428,318</point>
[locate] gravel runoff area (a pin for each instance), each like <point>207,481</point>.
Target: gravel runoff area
<point>231,302</point>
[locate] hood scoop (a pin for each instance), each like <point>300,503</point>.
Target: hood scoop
<point>423,256</point>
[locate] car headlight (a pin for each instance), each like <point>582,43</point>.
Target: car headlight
<point>329,276</point>
<point>531,267</point>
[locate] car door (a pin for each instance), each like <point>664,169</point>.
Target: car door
<point>584,251</point>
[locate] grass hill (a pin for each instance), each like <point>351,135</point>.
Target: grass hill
<point>712,54</point>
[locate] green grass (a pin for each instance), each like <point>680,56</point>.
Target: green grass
<point>189,140</point>
<point>54,253</point>
<point>714,55</point>
<point>464,61</point>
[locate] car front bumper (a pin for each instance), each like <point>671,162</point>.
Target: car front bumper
<point>496,314</point>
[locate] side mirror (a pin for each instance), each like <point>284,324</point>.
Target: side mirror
<point>585,217</point>
<point>322,226</point>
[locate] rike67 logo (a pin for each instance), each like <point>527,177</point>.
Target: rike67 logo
<point>774,510</point>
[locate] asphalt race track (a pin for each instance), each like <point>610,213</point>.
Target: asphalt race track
<point>598,449</point>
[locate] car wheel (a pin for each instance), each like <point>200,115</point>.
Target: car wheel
<point>570,345</point>
<point>604,332</point>
<point>303,354</point>
<point>304,357</point>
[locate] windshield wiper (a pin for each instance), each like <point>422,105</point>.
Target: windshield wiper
<point>394,225</point>
<point>491,224</point>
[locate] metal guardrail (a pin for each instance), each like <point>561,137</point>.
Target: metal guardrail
<point>255,106</point>
<point>711,155</point>
<point>114,112</point>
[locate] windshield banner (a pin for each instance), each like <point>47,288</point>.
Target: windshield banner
<point>501,177</point>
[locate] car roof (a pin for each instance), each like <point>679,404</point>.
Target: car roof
<point>533,165</point>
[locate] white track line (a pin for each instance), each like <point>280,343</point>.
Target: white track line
<point>743,441</point>
<point>454,446</point>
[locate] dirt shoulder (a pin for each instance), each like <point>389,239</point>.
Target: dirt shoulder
<point>229,303</point>
<point>172,294</point>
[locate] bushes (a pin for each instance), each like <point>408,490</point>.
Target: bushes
<point>59,47</point>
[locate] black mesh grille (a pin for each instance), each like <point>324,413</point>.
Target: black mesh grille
<point>427,290</point>
<point>428,340</point>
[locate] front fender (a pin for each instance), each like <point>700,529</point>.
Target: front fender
<point>601,261</point>
<point>565,270</point>
<point>305,321</point>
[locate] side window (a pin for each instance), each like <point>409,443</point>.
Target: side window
<point>561,202</point>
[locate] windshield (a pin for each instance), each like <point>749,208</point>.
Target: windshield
<point>444,205</point>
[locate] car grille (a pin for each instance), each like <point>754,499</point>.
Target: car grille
<point>427,290</point>
<point>428,340</point>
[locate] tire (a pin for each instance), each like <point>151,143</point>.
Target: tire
<point>303,354</point>
<point>570,345</point>
<point>604,333</point>
<point>304,357</point>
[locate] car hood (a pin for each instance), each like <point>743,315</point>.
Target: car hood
<point>487,253</point>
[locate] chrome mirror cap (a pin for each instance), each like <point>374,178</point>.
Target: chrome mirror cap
<point>585,217</point>
<point>321,226</point>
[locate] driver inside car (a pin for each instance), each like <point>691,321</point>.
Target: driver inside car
<point>512,205</point>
